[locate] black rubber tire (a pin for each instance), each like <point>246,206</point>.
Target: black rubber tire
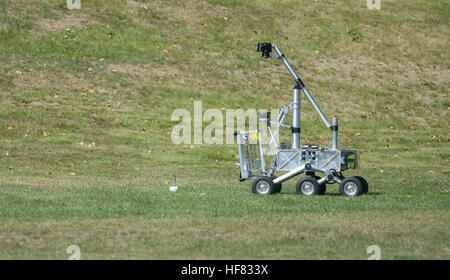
<point>312,183</point>
<point>357,185</point>
<point>323,187</point>
<point>271,188</point>
<point>365,184</point>
<point>278,186</point>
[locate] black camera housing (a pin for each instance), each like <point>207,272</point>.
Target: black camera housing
<point>265,48</point>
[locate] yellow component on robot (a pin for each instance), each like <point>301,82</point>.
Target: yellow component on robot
<point>254,136</point>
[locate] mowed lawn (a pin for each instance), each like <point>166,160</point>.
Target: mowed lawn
<point>86,99</point>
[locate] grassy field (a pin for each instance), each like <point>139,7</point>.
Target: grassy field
<point>86,98</point>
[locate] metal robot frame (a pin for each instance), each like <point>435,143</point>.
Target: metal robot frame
<point>290,157</point>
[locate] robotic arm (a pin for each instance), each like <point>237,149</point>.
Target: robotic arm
<point>268,48</point>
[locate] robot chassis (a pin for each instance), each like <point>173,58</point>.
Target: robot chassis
<point>291,158</point>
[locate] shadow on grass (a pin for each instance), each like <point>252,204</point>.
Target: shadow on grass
<point>335,194</point>
<point>338,194</point>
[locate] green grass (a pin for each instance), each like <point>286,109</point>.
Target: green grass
<point>76,167</point>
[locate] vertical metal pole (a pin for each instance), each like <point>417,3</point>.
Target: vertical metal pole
<point>296,117</point>
<point>261,151</point>
<point>334,129</point>
<point>245,172</point>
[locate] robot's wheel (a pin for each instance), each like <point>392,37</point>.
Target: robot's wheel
<point>351,186</point>
<point>264,186</point>
<point>278,186</point>
<point>323,186</point>
<point>364,183</point>
<point>308,186</point>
